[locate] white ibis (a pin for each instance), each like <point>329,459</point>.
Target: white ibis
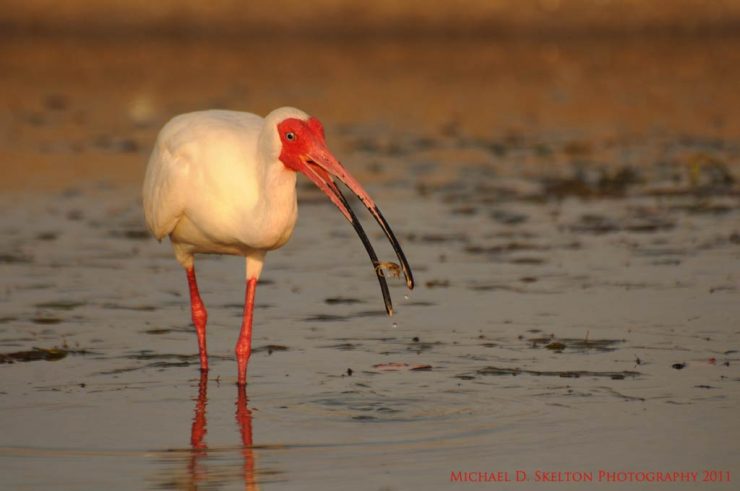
<point>224,182</point>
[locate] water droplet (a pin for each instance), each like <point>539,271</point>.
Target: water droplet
<point>395,324</point>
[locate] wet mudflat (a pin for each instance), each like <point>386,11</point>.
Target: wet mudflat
<point>578,272</point>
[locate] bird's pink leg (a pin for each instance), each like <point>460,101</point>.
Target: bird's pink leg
<point>200,317</point>
<point>244,344</point>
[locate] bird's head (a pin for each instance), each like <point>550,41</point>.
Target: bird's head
<point>303,149</point>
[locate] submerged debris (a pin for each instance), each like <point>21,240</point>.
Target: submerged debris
<point>555,346</point>
<point>14,258</point>
<point>270,348</point>
<point>341,300</point>
<point>395,366</point>
<point>437,283</point>
<point>131,234</point>
<point>35,354</point>
<point>554,373</point>
<point>576,344</point>
<point>582,184</point>
<point>60,305</point>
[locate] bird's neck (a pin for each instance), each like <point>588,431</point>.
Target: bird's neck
<point>279,193</point>
<point>280,182</point>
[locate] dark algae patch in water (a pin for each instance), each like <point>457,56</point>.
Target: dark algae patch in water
<point>575,344</point>
<point>60,305</point>
<point>342,300</point>
<point>37,354</point>
<point>270,348</point>
<point>498,371</point>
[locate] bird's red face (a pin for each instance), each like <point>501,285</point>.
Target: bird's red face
<point>304,150</point>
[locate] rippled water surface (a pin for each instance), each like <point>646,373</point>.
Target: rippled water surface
<point>571,212</point>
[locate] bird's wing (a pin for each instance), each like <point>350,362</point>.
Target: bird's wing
<point>163,197</point>
<point>185,146</point>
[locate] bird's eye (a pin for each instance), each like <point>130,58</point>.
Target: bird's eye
<point>290,136</point>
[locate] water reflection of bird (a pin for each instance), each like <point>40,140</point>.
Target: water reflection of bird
<point>199,449</point>
<point>224,182</point>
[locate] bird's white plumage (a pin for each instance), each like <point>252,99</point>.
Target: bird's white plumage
<point>224,182</point>
<point>214,184</point>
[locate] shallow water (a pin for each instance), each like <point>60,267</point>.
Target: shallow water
<point>576,311</point>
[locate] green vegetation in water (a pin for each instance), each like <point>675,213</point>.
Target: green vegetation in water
<point>35,354</point>
<point>551,373</point>
<point>270,348</point>
<point>60,305</point>
<point>575,344</point>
